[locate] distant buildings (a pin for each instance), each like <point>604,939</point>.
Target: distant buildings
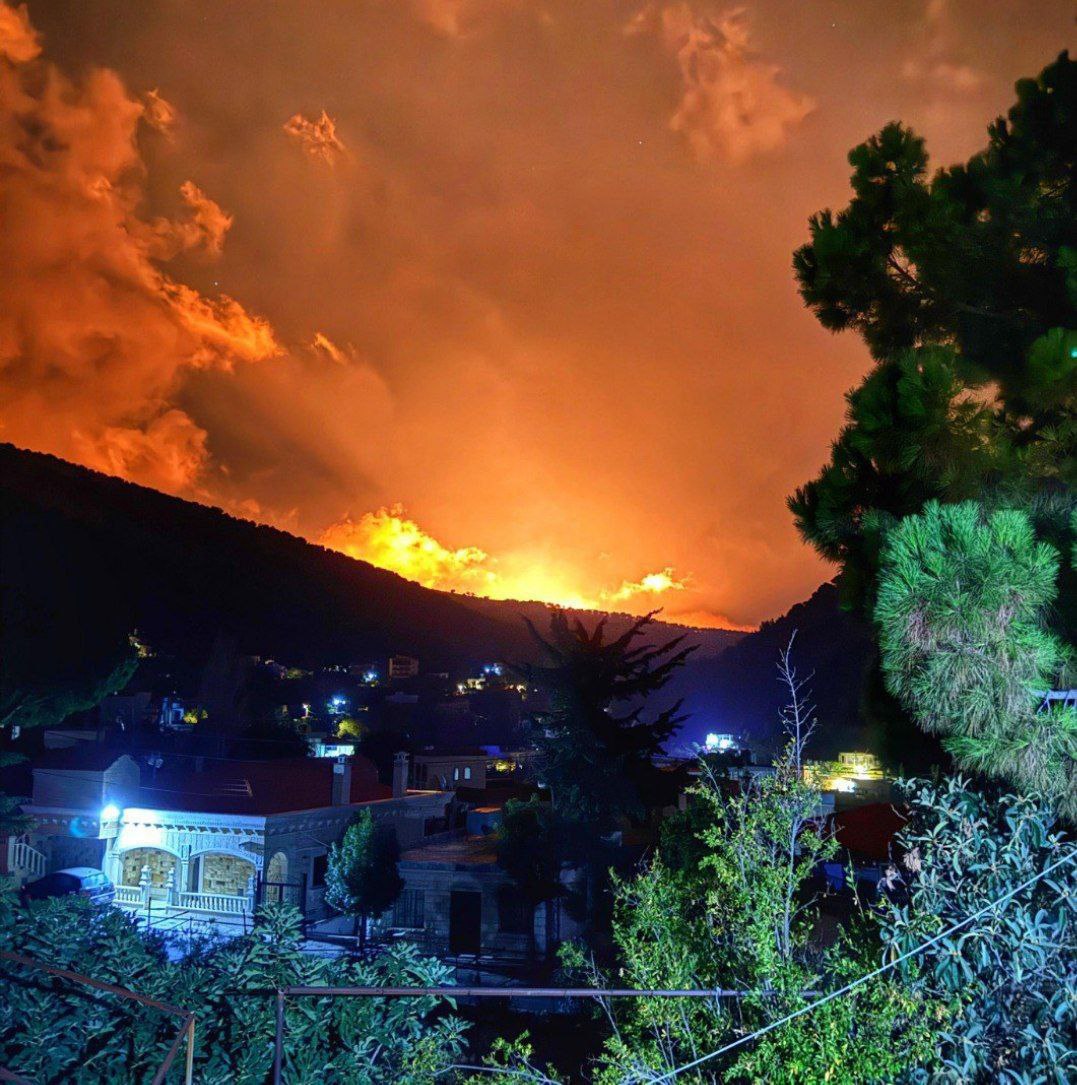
<point>401,666</point>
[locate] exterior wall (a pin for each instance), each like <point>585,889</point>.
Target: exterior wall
<point>450,771</point>
<point>86,791</point>
<point>437,883</point>
<point>176,846</point>
<point>216,855</point>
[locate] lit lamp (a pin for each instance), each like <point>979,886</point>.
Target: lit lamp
<point>108,822</point>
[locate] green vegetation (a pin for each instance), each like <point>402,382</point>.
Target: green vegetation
<point>597,743</point>
<point>1003,986</point>
<point>741,917</point>
<point>53,1030</point>
<point>964,286</point>
<point>362,879</point>
<point>962,617</point>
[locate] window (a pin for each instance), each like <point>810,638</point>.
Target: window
<point>409,911</point>
<point>514,915</point>
<point>455,774</point>
<point>467,772</point>
<point>319,869</point>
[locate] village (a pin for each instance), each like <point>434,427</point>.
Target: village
<point>190,841</point>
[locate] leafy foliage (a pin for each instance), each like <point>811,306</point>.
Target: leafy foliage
<point>979,256</point>
<point>742,917</point>
<point>530,847</point>
<point>362,878</point>
<point>961,612</point>
<point>51,1030</point>
<point>1009,977</point>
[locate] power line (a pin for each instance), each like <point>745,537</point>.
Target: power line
<point>1004,899</point>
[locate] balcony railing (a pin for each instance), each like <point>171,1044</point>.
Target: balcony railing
<point>222,903</point>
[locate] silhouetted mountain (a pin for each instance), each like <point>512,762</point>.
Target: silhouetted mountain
<point>108,555</point>
<point>739,692</point>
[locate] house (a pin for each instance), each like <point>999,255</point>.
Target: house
<point>457,901</point>
<point>449,770</point>
<point>401,666</point>
<point>212,836</point>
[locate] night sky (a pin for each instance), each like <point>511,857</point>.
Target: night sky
<point>508,279</point>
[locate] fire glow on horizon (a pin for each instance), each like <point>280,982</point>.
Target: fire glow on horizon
<point>391,540</point>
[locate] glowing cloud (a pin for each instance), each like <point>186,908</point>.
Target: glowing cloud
<point>651,584</point>
<point>158,113</point>
<point>733,106</point>
<point>95,338</point>
<point>202,229</point>
<point>318,138</point>
<point>18,39</point>
<point>390,540</point>
<point>934,66</point>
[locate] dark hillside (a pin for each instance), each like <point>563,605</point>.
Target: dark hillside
<point>111,555</point>
<point>739,691</point>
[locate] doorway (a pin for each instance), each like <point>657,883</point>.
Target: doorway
<point>465,922</point>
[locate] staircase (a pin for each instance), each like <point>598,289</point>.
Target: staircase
<point>24,862</point>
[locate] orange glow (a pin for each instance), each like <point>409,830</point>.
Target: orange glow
<point>526,266</point>
<point>389,539</point>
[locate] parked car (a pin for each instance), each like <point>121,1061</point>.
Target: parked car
<point>84,880</point>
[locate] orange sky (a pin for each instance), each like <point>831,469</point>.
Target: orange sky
<point>493,292</point>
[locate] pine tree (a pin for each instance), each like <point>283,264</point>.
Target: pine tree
<point>964,287</point>
<point>596,742</point>
<point>961,613</point>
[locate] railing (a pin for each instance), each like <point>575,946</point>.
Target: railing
<point>128,894</point>
<point>24,860</point>
<point>214,902</point>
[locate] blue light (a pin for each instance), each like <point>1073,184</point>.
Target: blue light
<point>111,812</point>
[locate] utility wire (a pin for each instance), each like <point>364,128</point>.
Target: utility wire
<point>1004,899</point>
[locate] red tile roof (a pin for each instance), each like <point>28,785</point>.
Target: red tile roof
<point>253,787</point>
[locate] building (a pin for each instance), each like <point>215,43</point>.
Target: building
<point>401,666</point>
<point>457,901</point>
<point>448,771</point>
<point>210,836</point>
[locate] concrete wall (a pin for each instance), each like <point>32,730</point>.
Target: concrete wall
<point>68,789</point>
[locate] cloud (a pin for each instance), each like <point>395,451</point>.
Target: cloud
<point>96,339</point>
<point>391,540</point>
<point>935,66</point>
<point>456,18</point>
<point>318,138</point>
<point>18,40</point>
<point>650,584</point>
<point>202,229</point>
<point>169,453</point>
<point>158,113</point>
<point>322,344</point>
<point>733,106</point>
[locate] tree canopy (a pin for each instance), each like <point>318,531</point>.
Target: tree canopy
<point>362,878</point>
<point>598,738</point>
<point>963,284</point>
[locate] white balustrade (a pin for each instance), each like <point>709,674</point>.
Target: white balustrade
<point>128,894</point>
<point>24,860</point>
<point>214,902</point>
